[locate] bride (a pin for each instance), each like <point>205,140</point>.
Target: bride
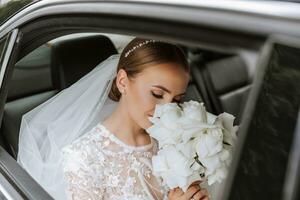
<point>89,140</point>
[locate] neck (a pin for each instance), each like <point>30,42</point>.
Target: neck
<point>124,127</point>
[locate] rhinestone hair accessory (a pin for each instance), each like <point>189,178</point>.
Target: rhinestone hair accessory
<point>139,45</point>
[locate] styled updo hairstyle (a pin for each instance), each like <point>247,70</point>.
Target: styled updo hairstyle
<point>140,53</point>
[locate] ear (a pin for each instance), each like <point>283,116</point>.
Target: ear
<point>122,80</point>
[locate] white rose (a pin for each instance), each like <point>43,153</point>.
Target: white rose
<point>211,164</point>
<point>216,166</point>
<point>211,118</point>
<point>197,167</point>
<point>225,120</point>
<point>225,154</point>
<point>184,133</point>
<point>194,111</point>
<point>219,175</point>
<point>186,149</point>
<point>168,114</point>
<point>191,131</point>
<point>164,136</point>
<point>173,167</point>
<point>209,143</point>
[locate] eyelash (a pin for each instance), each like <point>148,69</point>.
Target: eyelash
<point>160,97</point>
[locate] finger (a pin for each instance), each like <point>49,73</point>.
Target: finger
<point>192,190</point>
<point>200,194</point>
<point>172,191</point>
<point>197,186</point>
<point>206,194</point>
<point>175,192</point>
<point>178,190</point>
<point>204,191</point>
<point>196,183</point>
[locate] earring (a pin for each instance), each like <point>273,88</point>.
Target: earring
<point>123,91</point>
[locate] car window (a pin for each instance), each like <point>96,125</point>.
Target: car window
<point>36,66</point>
<point>119,41</point>
<point>12,7</point>
<point>3,42</point>
<point>269,123</point>
<point>41,74</point>
<point>2,196</point>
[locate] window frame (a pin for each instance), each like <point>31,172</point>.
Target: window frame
<point>39,31</point>
<point>290,185</point>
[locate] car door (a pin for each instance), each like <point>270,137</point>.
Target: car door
<point>39,26</point>
<point>266,165</point>
<point>8,190</point>
<point>15,183</point>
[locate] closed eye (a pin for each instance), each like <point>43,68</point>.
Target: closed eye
<point>161,97</point>
<point>157,95</point>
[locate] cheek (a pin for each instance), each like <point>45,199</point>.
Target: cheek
<point>143,103</point>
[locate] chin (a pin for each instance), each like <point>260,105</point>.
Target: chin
<point>141,124</point>
<point>147,124</point>
<point>144,122</point>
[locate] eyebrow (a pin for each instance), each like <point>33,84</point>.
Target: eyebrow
<point>165,89</point>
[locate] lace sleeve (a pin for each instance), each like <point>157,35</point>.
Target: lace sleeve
<point>81,176</point>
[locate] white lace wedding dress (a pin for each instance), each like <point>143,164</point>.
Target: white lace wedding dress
<point>98,165</point>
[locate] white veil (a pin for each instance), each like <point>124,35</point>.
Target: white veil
<point>46,129</point>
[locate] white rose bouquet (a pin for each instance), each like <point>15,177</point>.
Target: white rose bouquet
<point>193,144</point>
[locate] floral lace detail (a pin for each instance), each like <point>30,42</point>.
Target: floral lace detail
<point>99,165</point>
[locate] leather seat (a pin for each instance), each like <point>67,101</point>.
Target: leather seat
<point>192,93</point>
<point>224,84</point>
<point>73,58</point>
<point>70,60</point>
<point>229,84</point>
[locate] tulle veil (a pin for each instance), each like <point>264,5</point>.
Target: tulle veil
<point>69,114</point>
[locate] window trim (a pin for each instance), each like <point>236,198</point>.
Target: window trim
<point>8,51</point>
<point>262,64</point>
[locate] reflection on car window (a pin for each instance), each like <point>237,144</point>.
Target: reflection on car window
<point>9,9</point>
<point>270,133</point>
<point>2,49</point>
<point>2,197</point>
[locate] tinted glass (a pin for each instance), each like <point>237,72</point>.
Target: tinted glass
<point>3,43</point>
<point>2,197</point>
<point>261,171</point>
<point>9,9</point>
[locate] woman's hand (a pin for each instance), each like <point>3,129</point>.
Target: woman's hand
<point>194,192</point>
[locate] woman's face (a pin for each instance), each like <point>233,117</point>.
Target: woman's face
<point>158,84</point>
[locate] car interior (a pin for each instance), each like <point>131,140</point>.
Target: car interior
<point>221,80</point>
